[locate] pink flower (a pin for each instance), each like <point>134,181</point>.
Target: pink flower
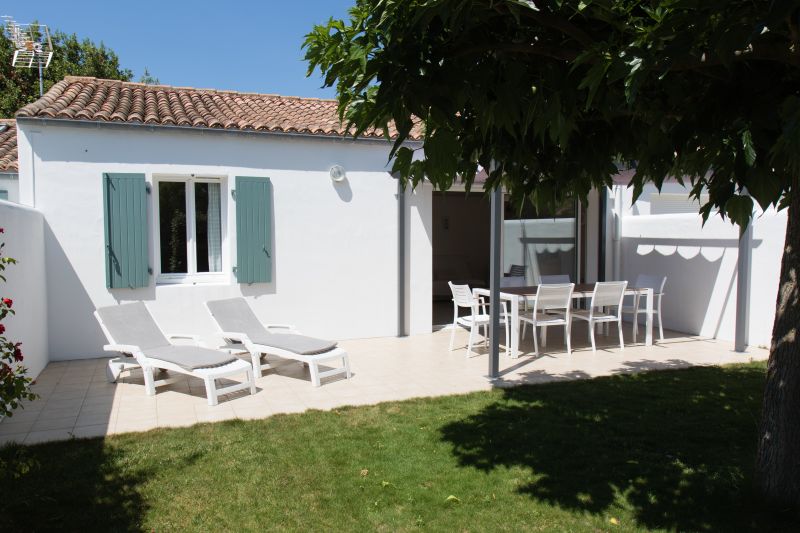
<point>8,302</point>
<point>2,329</point>
<point>2,230</point>
<point>17,354</point>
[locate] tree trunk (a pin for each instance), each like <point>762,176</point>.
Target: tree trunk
<point>778,456</point>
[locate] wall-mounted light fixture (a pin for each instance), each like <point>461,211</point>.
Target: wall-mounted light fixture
<point>337,173</point>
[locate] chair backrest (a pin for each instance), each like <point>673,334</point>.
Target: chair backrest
<point>513,281</point>
<point>131,324</point>
<point>608,294</point>
<point>554,296</point>
<point>554,278</point>
<point>516,271</point>
<point>235,315</point>
<point>462,295</point>
<point>650,281</point>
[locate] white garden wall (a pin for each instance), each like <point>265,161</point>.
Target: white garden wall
<point>26,284</point>
<point>335,249</point>
<point>700,263</point>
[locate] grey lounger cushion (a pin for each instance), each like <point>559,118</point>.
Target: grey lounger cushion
<point>298,344</point>
<point>234,314</point>
<point>190,357</point>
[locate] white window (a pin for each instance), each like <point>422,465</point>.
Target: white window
<point>188,236</point>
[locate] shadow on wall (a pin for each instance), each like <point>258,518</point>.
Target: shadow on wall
<point>70,311</point>
<point>693,268</point>
<point>676,446</point>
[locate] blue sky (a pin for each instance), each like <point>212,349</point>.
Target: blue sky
<point>244,46</point>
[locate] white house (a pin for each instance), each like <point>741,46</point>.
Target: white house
<point>9,179</point>
<point>176,196</point>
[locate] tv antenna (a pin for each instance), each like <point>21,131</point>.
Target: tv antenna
<point>32,46</point>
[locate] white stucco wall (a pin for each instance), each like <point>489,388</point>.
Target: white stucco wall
<point>336,245</point>
<point>26,284</point>
<point>700,263</point>
<point>9,182</point>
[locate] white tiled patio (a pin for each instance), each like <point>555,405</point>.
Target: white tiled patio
<point>77,401</point>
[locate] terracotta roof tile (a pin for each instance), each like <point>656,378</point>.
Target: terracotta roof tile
<point>98,100</point>
<point>8,146</point>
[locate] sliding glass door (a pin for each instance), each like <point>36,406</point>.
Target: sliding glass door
<point>541,243</point>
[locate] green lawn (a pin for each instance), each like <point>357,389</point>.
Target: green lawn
<point>670,450</point>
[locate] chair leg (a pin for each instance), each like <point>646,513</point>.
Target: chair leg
<point>469,343</point>
<point>621,341</point>
<point>635,316</point>
<point>251,378</point>
<point>346,364</point>
<point>660,325</point>
<point>591,336</point>
<point>535,341</point>
<point>314,368</point>
<point>455,326</point>
<point>508,337</point>
<point>255,358</point>
<point>524,327</point>
<point>211,391</point>
<point>566,337</point>
<point>544,336</point>
<point>149,381</point>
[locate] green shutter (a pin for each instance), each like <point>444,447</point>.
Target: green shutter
<point>125,207</point>
<point>253,230</point>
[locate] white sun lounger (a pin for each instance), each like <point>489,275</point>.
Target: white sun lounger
<point>131,330</point>
<point>240,327</point>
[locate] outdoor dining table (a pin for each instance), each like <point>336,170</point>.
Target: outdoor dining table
<point>582,290</point>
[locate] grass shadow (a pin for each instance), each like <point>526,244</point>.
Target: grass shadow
<point>79,485</point>
<point>674,449</point>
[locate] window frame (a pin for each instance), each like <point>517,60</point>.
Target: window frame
<point>192,277</point>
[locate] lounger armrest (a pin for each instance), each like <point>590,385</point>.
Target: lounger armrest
<point>122,348</point>
<point>241,338</point>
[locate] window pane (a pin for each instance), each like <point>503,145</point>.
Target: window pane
<point>208,229</point>
<point>172,222</point>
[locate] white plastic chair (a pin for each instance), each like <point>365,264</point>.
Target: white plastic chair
<point>607,294</point>
<point>552,307</point>
<point>478,317</point>
<point>554,278</point>
<point>647,281</point>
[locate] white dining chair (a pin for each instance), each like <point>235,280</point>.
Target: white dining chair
<point>554,278</point>
<point>647,281</point>
<point>552,307</point>
<point>477,318</point>
<point>606,307</point>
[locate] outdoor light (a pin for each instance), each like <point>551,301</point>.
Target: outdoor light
<point>337,173</point>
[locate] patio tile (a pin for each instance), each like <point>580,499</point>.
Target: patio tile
<point>383,370</point>
<point>91,419</point>
<point>49,435</point>
<point>11,427</point>
<point>54,423</point>
<point>59,413</point>
<point>18,438</point>
<point>96,430</point>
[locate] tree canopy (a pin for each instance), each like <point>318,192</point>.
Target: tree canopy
<point>71,57</point>
<point>553,95</point>
<point>558,93</point>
